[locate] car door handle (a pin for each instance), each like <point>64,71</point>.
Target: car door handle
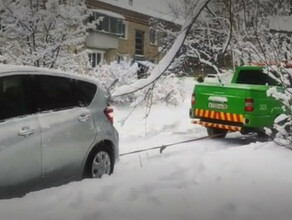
<point>84,118</point>
<point>26,131</point>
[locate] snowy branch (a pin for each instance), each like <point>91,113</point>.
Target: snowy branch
<point>169,57</point>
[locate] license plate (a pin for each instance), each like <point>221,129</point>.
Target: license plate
<point>217,105</point>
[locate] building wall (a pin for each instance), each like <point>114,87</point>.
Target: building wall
<point>128,46</point>
<point>135,21</point>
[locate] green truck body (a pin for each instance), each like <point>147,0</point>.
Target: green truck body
<point>242,105</point>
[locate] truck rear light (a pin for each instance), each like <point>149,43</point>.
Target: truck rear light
<point>249,104</point>
<point>109,113</point>
<point>193,98</point>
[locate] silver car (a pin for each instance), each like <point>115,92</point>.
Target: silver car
<point>54,127</point>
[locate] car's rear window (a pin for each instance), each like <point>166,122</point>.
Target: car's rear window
<point>85,92</point>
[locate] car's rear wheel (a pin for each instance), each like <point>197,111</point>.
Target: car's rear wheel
<point>100,162</point>
<point>216,133</point>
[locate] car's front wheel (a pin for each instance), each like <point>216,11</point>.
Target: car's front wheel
<point>99,163</point>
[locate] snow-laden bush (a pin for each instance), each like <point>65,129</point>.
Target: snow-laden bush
<point>167,88</point>
<point>283,123</point>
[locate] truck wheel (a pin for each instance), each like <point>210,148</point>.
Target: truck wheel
<point>215,131</point>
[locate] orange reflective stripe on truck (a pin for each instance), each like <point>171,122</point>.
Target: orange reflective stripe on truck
<point>223,116</point>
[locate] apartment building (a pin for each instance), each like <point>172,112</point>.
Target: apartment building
<point>121,33</point>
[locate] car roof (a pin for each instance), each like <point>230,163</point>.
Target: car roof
<point>7,68</point>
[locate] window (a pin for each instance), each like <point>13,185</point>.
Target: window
<point>107,23</point>
<point>84,92</point>
<point>255,77</point>
<point>139,43</point>
<point>15,99</point>
<point>124,30</point>
<point>153,36</point>
<point>104,23</point>
<point>95,58</point>
<point>130,2</point>
<point>114,25</point>
<point>55,93</point>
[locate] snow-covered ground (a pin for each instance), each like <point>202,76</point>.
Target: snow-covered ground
<point>235,178</point>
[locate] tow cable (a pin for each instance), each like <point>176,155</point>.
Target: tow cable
<point>163,147</point>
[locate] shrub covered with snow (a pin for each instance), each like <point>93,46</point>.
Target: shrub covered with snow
<point>167,88</point>
<point>283,123</point>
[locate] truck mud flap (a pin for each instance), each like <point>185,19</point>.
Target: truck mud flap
<point>216,125</point>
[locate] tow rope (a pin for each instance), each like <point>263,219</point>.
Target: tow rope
<point>163,147</point>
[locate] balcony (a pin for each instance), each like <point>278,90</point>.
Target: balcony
<point>107,32</point>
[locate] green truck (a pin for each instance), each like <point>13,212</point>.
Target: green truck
<point>242,105</point>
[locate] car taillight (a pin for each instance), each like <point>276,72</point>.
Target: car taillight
<point>249,104</point>
<point>109,113</point>
<point>193,98</point>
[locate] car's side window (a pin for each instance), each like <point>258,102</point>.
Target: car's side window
<point>14,98</point>
<point>85,92</point>
<point>54,93</point>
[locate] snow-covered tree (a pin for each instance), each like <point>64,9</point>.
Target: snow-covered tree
<point>283,123</point>
<point>265,41</point>
<point>207,41</point>
<point>167,89</point>
<point>229,32</point>
<point>46,33</point>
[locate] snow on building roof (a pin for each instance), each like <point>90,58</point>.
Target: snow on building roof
<point>109,13</point>
<point>281,24</point>
<point>153,8</point>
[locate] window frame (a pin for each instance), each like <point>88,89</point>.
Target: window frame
<point>90,52</point>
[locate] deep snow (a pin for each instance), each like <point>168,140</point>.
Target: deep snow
<point>235,178</point>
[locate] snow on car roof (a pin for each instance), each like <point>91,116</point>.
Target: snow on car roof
<point>8,68</point>
<point>4,68</point>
